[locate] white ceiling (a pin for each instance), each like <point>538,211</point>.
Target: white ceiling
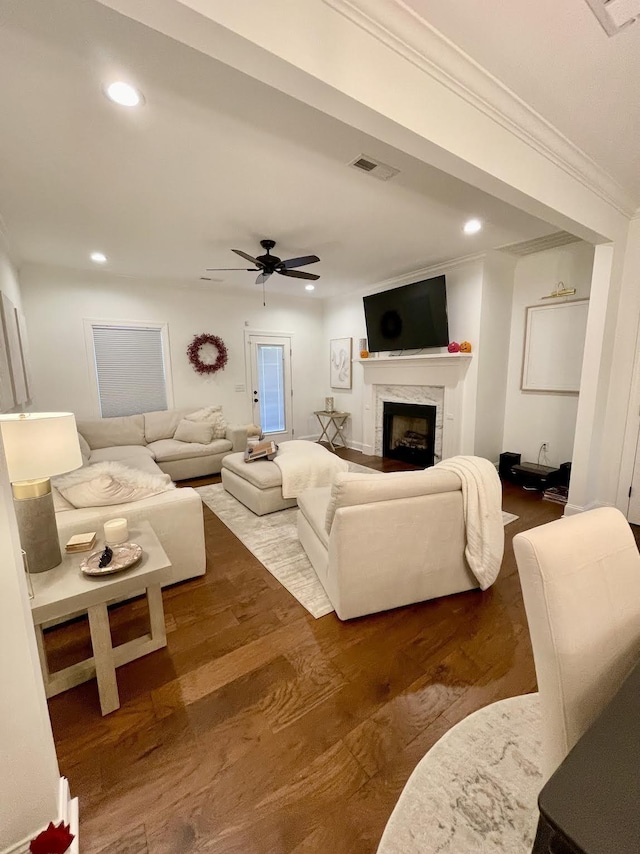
<point>557,58</point>
<point>214,160</point>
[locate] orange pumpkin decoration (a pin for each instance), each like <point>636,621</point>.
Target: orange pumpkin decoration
<point>465,347</point>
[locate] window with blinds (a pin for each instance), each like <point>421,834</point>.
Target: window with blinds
<point>130,369</point>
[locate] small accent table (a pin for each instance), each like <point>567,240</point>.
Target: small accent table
<point>335,421</point>
<point>64,591</point>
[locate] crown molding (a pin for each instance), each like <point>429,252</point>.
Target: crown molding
<point>405,32</point>
<point>409,278</point>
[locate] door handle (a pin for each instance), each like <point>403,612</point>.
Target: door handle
<point>255,399</point>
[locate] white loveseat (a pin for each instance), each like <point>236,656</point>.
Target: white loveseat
<point>380,541</point>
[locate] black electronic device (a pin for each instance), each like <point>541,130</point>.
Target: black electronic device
<point>565,474</point>
<point>507,460</point>
<point>408,318</point>
<point>533,476</point>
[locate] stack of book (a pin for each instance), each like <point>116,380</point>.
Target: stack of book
<point>81,542</point>
<point>557,494</point>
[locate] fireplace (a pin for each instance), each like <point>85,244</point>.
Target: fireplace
<point>408,432</point>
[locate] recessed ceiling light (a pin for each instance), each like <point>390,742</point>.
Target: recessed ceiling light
<point>472,226</point>
<point>309,287</point>
<point>98,258</point>
<point>124,94</point>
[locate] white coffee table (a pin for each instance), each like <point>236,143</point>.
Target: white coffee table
<point>64,591</point>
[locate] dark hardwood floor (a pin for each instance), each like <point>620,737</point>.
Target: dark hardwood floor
<point>260,729</point>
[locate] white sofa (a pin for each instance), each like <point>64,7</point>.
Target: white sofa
<point>150,435</point>
<point>379,541</point>
<point>145,442</point>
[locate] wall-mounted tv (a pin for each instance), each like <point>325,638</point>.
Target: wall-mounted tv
<point>408,318</point>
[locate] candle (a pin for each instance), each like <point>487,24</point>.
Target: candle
<point>116,531</point>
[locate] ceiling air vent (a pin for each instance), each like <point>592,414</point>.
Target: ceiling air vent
<point>374,167</point>
<point>615,15</point>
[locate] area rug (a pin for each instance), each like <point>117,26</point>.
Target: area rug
<point>273,539</point>
<point>475,791</point>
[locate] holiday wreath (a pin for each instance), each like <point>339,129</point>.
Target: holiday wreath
<point>193,352</point>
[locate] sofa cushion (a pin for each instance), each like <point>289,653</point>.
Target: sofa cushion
<point>121,453</point>
<point>106,432</point>
<point>85,450</point>
<point>142,463</point>
<point>261,473</point>
<point>166,450</point>
<point>194,431</point>
<point>313,505</point>
<point>108,483</point>
<point>60,503</point>
<point>351,488</point>
<point>162,424</point>
<point>212,415</point>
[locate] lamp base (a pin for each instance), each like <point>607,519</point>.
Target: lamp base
<point>37,526</point>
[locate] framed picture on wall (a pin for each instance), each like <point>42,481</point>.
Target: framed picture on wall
<point>340,362</point>
<point>553,347</point>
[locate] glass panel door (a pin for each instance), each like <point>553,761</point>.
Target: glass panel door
<point>271,385</point>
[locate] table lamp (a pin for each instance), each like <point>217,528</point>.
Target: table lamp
<point>37,446</point>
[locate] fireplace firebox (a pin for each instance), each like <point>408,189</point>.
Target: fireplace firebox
<point>408,432</point>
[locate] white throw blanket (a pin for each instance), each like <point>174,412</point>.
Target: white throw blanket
<point>305,464</point>
<point>482,502</point>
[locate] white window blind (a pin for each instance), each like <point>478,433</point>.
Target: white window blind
<point>130,369</point>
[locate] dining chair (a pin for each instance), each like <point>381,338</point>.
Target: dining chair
<point>476,789</point>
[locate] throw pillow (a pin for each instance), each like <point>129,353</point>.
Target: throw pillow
<point>103,484</point>
<point>204,414</point>
<point>213,415</point>
<point>194,431</point>
<point>219,426</point>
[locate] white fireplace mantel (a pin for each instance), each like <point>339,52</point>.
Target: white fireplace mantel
<point>442,370</point>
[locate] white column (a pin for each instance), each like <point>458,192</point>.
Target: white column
<point>29,776</point>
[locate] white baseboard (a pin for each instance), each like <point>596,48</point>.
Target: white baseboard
<point>573,509</point>
<point>67,812</point>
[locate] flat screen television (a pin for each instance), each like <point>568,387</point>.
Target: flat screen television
<point>408,318</point>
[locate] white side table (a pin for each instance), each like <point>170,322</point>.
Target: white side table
<point>65,591</point>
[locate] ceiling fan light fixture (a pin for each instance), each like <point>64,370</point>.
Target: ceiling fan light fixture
<point>309,287</point>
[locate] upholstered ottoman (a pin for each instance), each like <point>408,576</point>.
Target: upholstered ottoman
<point>258,485</point>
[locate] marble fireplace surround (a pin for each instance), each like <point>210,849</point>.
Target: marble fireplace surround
<point>435,380</point>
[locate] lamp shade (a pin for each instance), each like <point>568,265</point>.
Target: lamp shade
<point>40,444</point>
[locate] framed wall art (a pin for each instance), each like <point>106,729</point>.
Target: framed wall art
<point>340,362</point>
<point>553,347</point>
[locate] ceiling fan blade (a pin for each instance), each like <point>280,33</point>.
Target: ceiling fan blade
<point>300,262</point>
<point>247,257</point>
<point>218,269</point>
<point>262,278</point>
<point>299,274</point>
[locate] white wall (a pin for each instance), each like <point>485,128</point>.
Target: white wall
<point>9,284</point>
<point>56,301</point>
<point>493,354</point>
<point>345,318</point>
<point>29,773</point>
<point>532,418</point>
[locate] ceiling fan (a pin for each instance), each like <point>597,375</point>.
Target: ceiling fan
<point>267,264</point>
